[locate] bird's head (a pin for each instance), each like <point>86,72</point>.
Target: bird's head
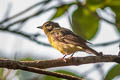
<point>49,26</point>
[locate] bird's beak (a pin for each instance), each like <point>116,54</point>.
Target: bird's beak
<point>39,27</point>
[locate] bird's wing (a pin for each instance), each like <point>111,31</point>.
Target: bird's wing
<point>67,36</point>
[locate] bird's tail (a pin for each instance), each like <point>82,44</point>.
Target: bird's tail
<point>92,51</point>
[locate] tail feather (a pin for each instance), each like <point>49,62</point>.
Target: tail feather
<point>92,51</point>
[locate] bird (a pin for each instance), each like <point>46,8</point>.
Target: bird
<point>65,41</point>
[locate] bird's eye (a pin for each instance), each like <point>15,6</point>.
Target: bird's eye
<point>47,24</point>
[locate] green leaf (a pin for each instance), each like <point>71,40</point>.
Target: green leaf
<point>61,10</point>
<point>113,72</point>
<point>1,73</point>
<point>95,2</point>
<point>66,72</point>
<point>113,2</point>
<point>116,11</point>
<point>115,6</point>
<point>59,71</point>
<point>84,23</point>
<point>93,5</point>
<point>25,75</point>
<point>26,59</point>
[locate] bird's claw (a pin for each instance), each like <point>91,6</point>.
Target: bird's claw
<point>62,59</point>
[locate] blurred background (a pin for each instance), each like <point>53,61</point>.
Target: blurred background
<point>95,20</point>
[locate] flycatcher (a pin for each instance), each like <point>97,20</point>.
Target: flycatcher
<point>65,40</point>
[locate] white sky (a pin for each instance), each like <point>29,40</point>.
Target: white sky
<point>9,41</point>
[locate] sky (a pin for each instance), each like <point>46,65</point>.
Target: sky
<point>24,47</point>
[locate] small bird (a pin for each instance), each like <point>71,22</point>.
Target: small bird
<point>65,40</point>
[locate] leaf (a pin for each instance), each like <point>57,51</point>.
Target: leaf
<point>93,5</point>
<point>95,2</point>
<point>25,75</point>
<point>1,73</point>
<point>113,2</point>
<point>26,59</point>
<point>116,11</point>
<point>66,72</point>
<point>59,71</point>
<point>113,72</point>
<point>61,10</point>
<point>115,6</point>
<point>84,23</point>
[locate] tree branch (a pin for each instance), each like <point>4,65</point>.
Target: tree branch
<point>31,37</point>
<point>106,43</point>
<point>42,71</point>
<point>30,16</point>
<point>5,63</point>
<point>74,61</point>
<point>37,66</point>
<point>18,65</point>
<point>24,11</point>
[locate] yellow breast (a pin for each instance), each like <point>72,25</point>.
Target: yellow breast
<point>63,47</point>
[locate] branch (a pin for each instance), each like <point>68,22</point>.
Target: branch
<point>31,37</point>
<point>5,63</point>
<point>42,71</point>
<point>24,11</point>
<point>18,65</point>
<point>30,16</point>
<point>74,61</point>
<point>106,43</point>
<point>38,66</point>
<point>8,10</point>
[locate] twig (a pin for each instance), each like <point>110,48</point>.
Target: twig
<point>106,43</point>
<point>29,17</point>
<point>26,35</point>
<point>69,18</point>
<point>24,11</point>
<point>8,10</point>
<point>119,50</point>
<point>100,70</point>
<point>55,74</point>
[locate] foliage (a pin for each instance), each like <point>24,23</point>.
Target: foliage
<point>85,20</point>
<point>59,71</point>
<point>113,72</point>
<point>82,23</point>
<point>60,10</point>
<point>26,59</point>
<point>1,73</point>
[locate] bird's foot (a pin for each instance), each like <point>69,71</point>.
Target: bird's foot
<point>100,54</point>
<point>62,59</point>
<point>70,57</point>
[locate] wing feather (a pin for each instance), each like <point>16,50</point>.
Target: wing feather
<point>67,36</point>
